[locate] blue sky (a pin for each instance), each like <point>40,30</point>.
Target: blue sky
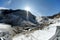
<point>38,7</point>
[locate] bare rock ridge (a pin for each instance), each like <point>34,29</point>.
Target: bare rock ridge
<point>54,16</point>
<point>17,17</point>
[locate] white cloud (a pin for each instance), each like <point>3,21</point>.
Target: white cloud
<point>3,8</point>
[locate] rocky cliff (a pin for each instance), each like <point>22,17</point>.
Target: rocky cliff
<point>17,17</point>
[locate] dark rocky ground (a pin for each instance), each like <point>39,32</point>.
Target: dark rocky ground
<point>17,17</point>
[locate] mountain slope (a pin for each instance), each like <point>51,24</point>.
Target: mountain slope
<point>35,28</point>
<point>44,34</point>
<point>16,17</point>
<point>49,32</point>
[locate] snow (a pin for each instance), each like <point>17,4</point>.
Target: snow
<point>44,34</point>
<point>39,19</point>
<point>5,32</point>
<point>5,27</point>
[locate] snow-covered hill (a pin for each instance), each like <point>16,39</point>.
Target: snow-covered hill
<point>35,28</point>
<point>45,34</point>
<point>49,32</point>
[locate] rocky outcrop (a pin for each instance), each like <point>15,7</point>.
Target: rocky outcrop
<point>54,16</point>
<point>17,17</point>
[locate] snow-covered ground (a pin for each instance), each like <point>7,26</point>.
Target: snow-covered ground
<point>44,34</point>
<point>5,31</point>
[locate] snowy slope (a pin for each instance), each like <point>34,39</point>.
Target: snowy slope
<point>49,30</point>
<point>5,31</point>
<point>44,34</point>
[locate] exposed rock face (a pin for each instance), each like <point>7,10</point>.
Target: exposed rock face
<point>19,18</point>
<point>54,16</point>
<point>16,17</point>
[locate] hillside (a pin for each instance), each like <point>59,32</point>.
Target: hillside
<point>33,28</point>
